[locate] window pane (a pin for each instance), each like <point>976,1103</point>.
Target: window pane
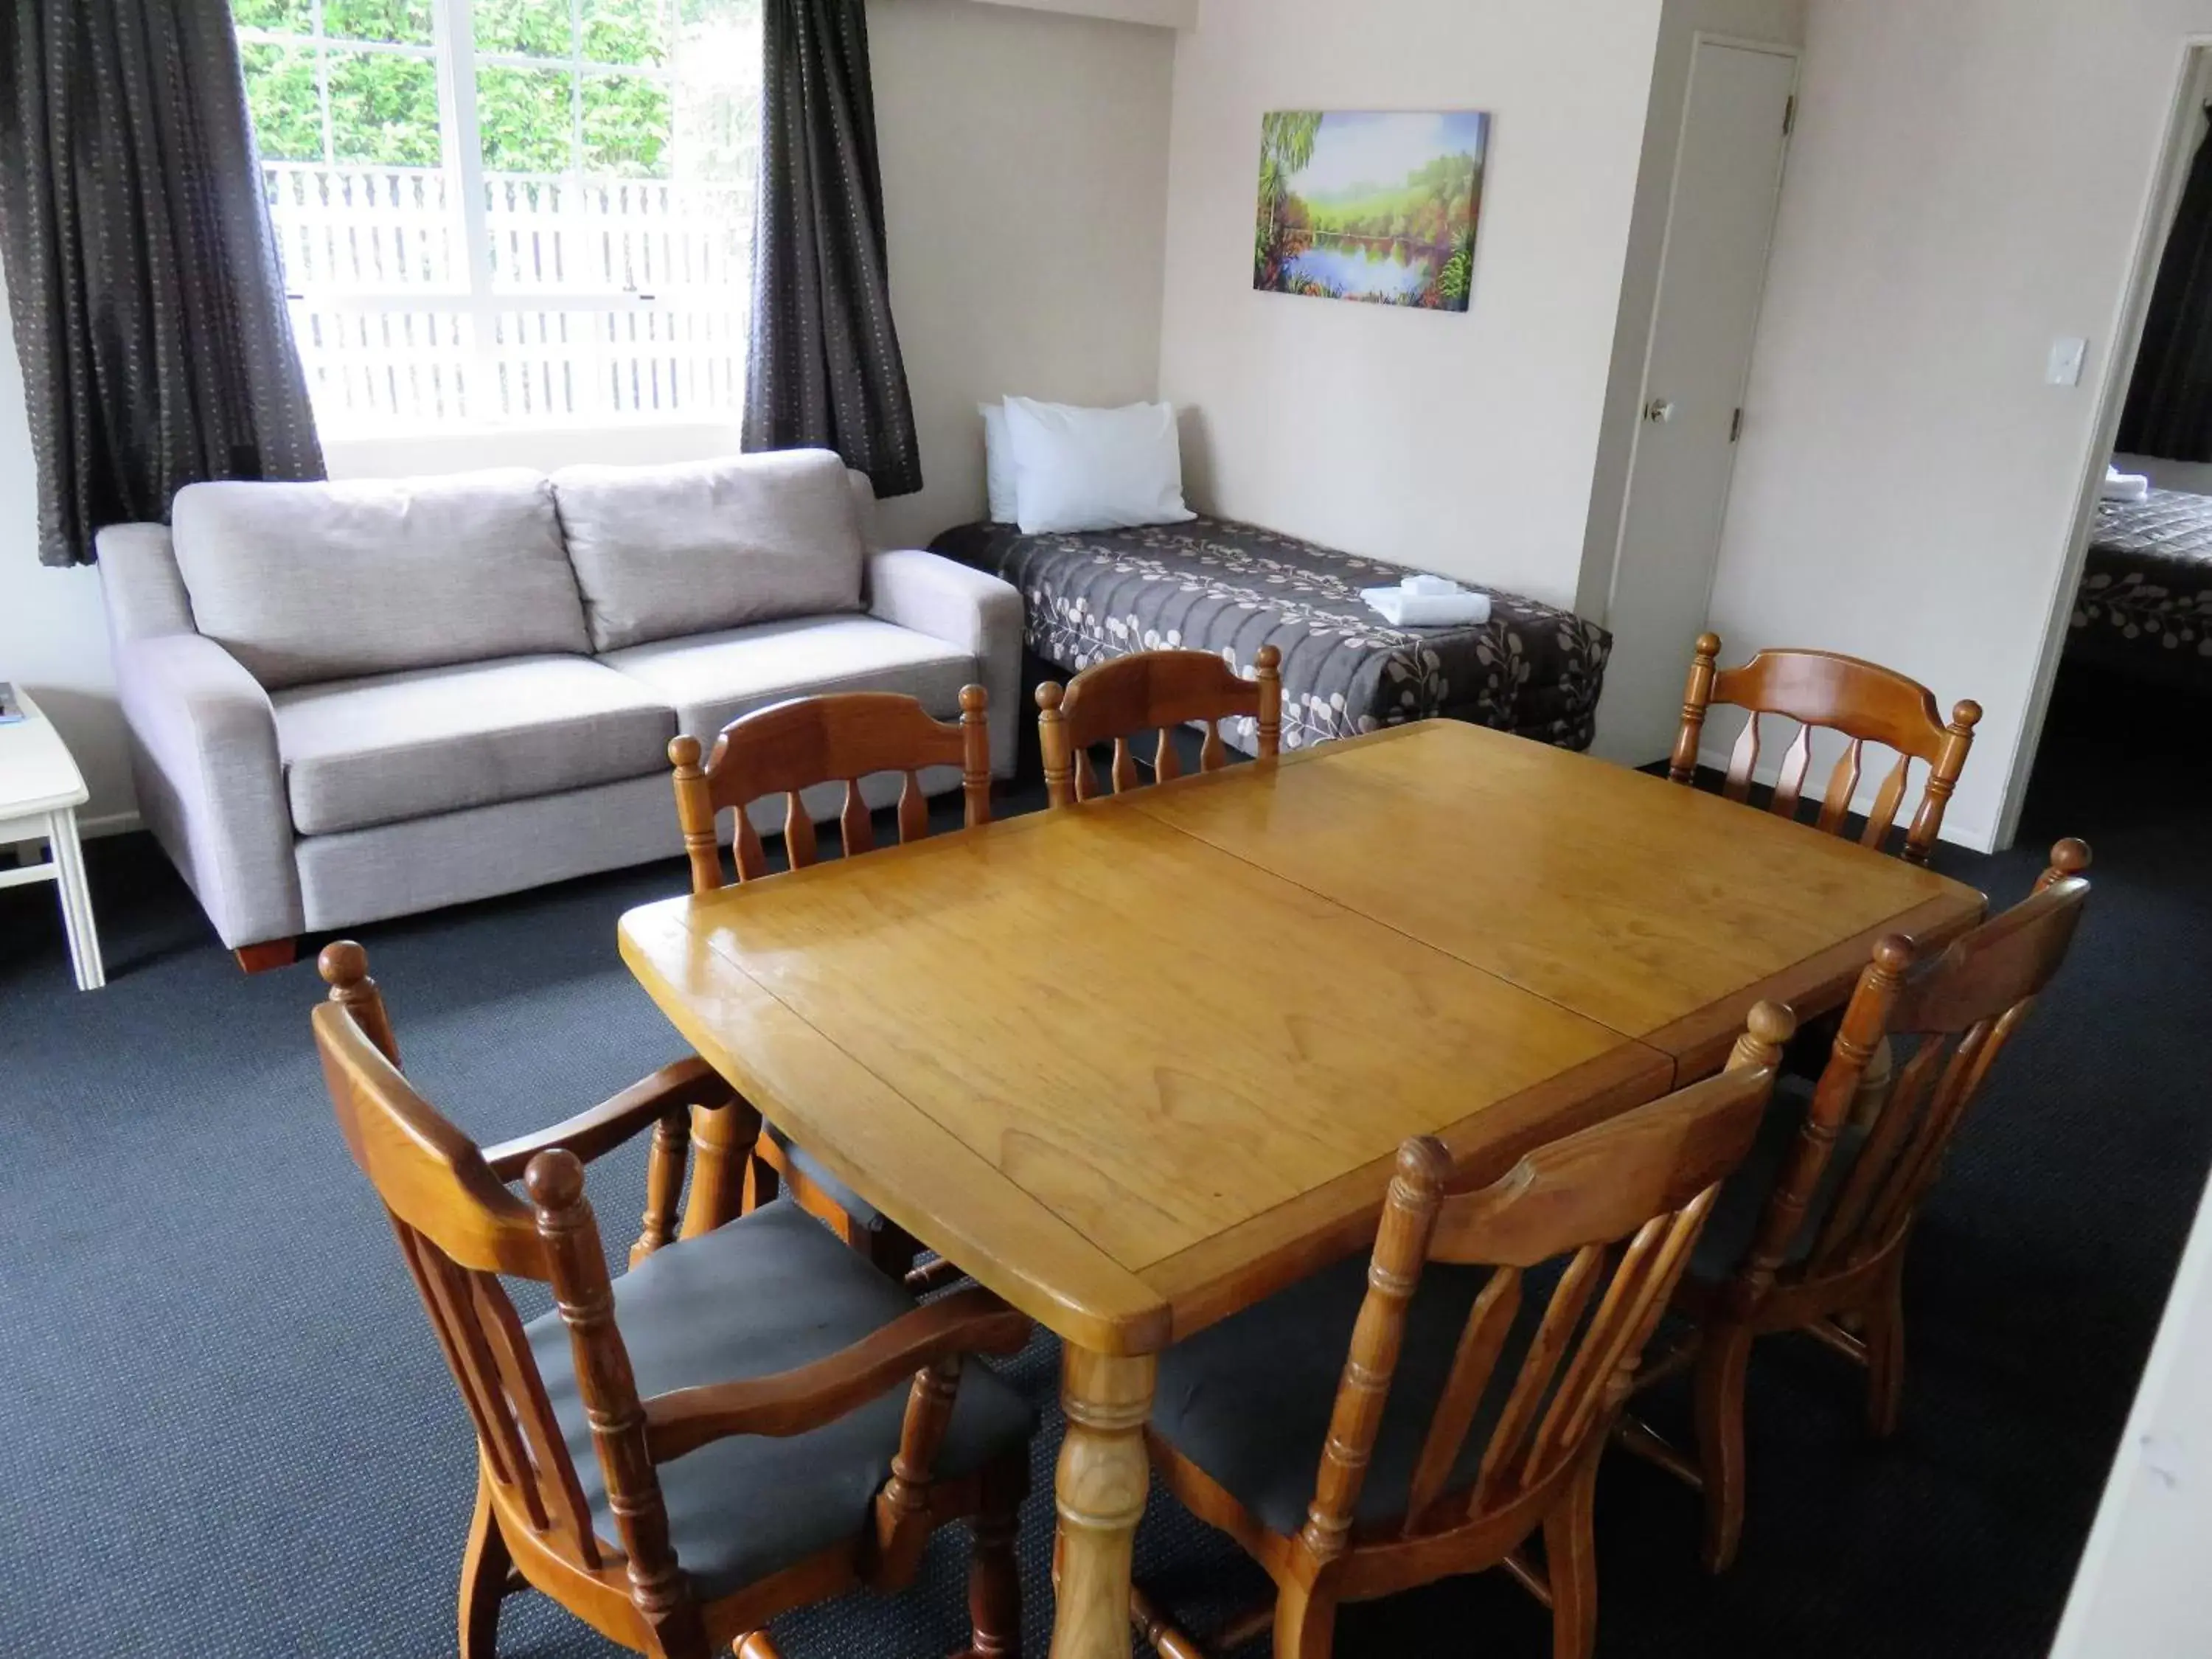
<point>524,120</point>
<point>626,127</point>
<point>284,16</point>
<point>626,31</point>
<point>538,27</point>
<point>383,108</point>
<point>287,111</point>
<point>711,14</point>
<point>718,89</point>
<point>407,21</point>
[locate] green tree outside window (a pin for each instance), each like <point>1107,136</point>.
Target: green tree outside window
<point>384,109</point>
<point>287,106</point>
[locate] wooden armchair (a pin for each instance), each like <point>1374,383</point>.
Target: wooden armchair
<point>1864,701</point>
<point>1479,1392</point>
<point>1149,690</point>
<point>680,1455</point>
<point>1810,1234</point>
<point>788,750</point>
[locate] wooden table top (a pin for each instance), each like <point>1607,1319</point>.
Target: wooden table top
<point>1133,1063</point>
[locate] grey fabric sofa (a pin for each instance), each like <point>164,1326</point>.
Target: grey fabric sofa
<point>349,702</point>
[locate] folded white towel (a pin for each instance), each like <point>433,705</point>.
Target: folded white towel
<point>1430,586</point>
<point>1401,609</point>
<point>2125,486</point>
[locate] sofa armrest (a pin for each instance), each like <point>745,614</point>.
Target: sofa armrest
<point>980,614</point>
<point>139,579</point>
<point>210,786</point>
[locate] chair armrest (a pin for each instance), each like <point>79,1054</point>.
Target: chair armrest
<point>805,1397</point>
<point>603,1127</point>
<point>966,608</point>
<point>141,583</point>
<point>210,782</point>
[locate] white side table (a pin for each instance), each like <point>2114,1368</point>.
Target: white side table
<point>41,790</point>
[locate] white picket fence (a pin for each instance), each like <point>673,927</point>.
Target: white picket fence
<point>597,296</point>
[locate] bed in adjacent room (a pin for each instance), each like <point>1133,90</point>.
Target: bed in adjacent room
<point>1216,585</point>
<point>2144,607</point>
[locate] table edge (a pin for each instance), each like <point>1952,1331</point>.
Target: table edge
<point>1114,1311</point>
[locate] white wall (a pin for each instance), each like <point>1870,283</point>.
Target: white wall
<point>1460,443</point>
<point>53,636</point>
<point>1025,176</point>
<point>2141,1588</point>
<point>1967,181</point>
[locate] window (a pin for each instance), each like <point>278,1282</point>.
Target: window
<point>510,210</point>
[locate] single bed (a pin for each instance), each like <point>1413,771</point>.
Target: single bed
<point>1216,585</point>
<point>2144,607</point>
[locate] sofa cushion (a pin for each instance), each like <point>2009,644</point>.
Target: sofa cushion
<point>666,551</point>
<point>711,680</point>
<point>367,752</point>
<point>319,582</point>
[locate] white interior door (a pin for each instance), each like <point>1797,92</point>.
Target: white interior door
<point>1727,175</point>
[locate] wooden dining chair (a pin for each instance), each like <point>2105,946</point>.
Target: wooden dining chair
<point>1493,1335</point>
<point>789,750</point>
<point>1810,1234</point>
<point>1144,691</point>
<point>1863,701</point>
<point>680,1455</point>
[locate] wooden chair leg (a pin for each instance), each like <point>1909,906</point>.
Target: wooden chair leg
<point>1305,1622</point>
<point>1154,1628</point>
<point>1570,1564</point>
<point>484,1567</point>
<point>1723,1362</point>
<point>1885,1351</point>
<point>756,1644</point>
<point>995,1578</point>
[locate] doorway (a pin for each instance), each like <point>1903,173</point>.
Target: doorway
<point>1737,115</point>
<point>2127,653</point>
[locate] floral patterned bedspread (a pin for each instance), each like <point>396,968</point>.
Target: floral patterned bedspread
<point>2145,603</point>
<point>1217,585</point>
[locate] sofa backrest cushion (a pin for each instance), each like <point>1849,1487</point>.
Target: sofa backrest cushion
<point>304,582</point>
<point>661,551</point>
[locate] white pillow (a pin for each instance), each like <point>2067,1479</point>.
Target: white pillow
<point>998,462</point>
<point>1094,469</point>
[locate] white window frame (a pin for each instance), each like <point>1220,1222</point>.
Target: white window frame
<point>483,300</point>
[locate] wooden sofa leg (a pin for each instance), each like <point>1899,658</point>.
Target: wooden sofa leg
<point>273,953</point>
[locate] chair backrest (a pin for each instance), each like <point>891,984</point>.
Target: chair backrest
<point>460,1228</point>
<point>1144,691</point>
<point>1864,701</point>
<point>1962,1007</point>
<point>839,739</point>
<point>1623,1202</point>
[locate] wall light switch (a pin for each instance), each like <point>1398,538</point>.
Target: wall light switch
<point>2064,367</point>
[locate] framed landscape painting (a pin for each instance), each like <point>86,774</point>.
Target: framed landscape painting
<point>1373,205</point>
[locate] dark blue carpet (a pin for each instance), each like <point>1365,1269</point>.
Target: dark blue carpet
<point>225,1429</point>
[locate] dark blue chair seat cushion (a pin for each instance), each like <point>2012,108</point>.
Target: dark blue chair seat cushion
<point>1734,1221</point>
<point>1248,1399</point>
<point>769,1290</point>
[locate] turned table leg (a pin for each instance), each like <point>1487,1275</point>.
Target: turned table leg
<point>1100,1494</point>
<point>721,1146</point>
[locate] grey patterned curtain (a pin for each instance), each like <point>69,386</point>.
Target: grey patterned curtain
<point>2169,407</point>
<point>142,273</point>
<point>824,367</point>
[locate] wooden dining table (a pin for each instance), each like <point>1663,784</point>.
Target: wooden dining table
<point>1138,1063</point>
